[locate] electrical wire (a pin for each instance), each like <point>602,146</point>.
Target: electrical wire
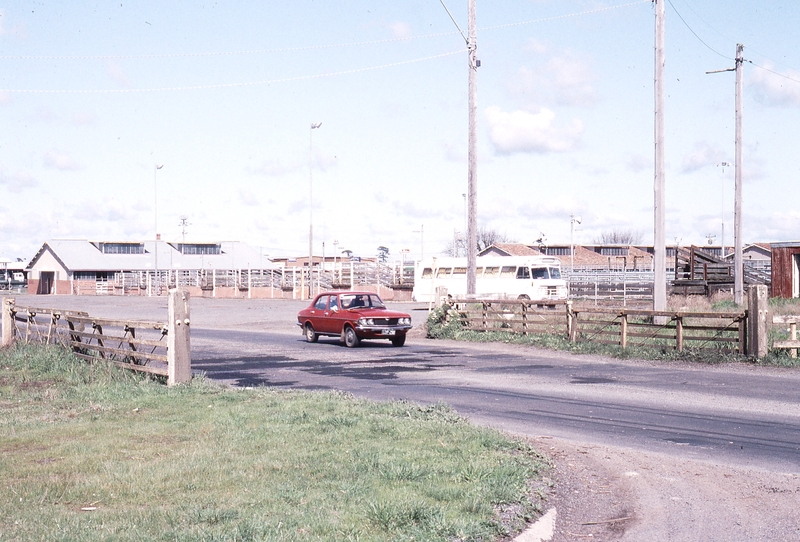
<point>556,17</point>
<point>695,33</point>
<point>310,47</point>
<point>232,85</point>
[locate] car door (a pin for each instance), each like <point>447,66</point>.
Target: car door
<point>318,313</point>
<point>335,317</point>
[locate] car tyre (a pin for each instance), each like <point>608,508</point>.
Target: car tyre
<point>399,340</point>
<point>311,335</point>
<point>351,340</point>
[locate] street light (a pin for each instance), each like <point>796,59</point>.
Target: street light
<point>572,220</point>
<point>156,167</point>
<point>311,206</point>
<point>723,165</point>
<point>421,232</point>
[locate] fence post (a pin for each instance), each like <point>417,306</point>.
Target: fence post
<point>572,323</point>
<point>679,332</point>
<point>524,312</point>
<point>623,330</point>
<point>793,337</point>
<point>757,321</point>
<point>8,321</point>
<point>179,359</point>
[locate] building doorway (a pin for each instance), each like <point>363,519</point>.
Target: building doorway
<point>46,279</point>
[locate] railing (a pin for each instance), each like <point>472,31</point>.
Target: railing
<point>619,326</point>
<point>136,345</point>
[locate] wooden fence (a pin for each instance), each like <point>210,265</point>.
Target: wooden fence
<point>721,331</point>
<point>152,347</point>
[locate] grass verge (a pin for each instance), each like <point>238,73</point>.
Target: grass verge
<point>440,325</point>
<point>91,452</point>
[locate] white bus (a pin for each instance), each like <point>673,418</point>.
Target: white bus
<point>536,278</point>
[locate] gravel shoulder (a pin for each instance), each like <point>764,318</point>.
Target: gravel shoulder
<point>614,494</point>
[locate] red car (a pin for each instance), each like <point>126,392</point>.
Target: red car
<point>353,316</point>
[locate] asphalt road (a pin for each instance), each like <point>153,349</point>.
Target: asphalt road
<point>748,417</point>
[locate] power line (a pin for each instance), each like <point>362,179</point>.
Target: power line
<point>310,47</point>
<point>568,15</point>
<point>231,85</point>
<point>695,33</point>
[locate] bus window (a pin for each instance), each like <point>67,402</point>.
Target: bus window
<point>508,272</point>
<point>555,273</point>
<point>459,271</point>
<point>427,273</point>
<point>491,272</point>
<point>443,272</point>
<point>539,273</point>
<point>523,273</point>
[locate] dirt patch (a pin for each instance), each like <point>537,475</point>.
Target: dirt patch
<point>615,494</point>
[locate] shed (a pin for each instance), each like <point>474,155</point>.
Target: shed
<point>786,269</point>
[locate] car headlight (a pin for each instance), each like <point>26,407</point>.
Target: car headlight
<point>366,321</point>
<point>405,321</point>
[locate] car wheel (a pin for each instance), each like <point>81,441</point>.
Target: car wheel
<point>399,340</point>
<point>524,297</point>
<point>350,338</point>
<point>311,335</point>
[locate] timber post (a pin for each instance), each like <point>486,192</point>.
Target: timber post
<point>178,344</point>
<point>8,321</point>
<point>757,305</point>
<point>623,330</point>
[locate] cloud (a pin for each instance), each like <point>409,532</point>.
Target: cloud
<point>6,97</point>
<point>638,162</point>
<point>83,119</point>
<point>775,88</point>
<point>248,197</point>
<point>702,156</point>
<point>17,182</point>
<point>18,30</point>
<point>400,29</point>
<point>118,74</point>
<point>61,161</point>
<point>572,79</point>
<point>525,132</point>
<point>273,168</point>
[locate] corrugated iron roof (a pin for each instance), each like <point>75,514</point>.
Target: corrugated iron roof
<point>85,255</point>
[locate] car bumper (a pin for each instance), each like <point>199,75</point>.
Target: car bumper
<point>381,331</point>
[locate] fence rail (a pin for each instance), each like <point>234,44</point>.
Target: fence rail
<point>150,347</point>
<point>618,326</point>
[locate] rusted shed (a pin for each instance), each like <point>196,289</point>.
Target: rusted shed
<point>786,269</point>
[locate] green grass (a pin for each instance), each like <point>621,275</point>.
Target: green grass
<point>199,462</point>
<point>440,325</point>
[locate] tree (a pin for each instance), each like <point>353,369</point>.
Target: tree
<point>383,254</point>
<point>486,238</point>
<point>619,237</point>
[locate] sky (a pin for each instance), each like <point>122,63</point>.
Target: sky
<point>222,95</point>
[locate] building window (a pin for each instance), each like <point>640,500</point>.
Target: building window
<point>122,248</point>
<point>557,251</point>
<point>198,249</point>
<point>614,251</point>
<point>84,275</point>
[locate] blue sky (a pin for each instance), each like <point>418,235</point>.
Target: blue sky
<point>94,94</point>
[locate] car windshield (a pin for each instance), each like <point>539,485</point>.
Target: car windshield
<point>356,301</point>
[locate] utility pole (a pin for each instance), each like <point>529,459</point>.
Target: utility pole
<point>472,173</point>
<point>311,207</point>
<point>659,244</point>
<point>738,263</point>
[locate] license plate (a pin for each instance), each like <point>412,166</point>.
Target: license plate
<point>387,332</point>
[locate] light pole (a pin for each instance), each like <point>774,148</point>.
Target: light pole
<point>572,220</point>
<point>311,205</point>
<point>421,232</point>
<point>723,165</point>
<point>156,167</point>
